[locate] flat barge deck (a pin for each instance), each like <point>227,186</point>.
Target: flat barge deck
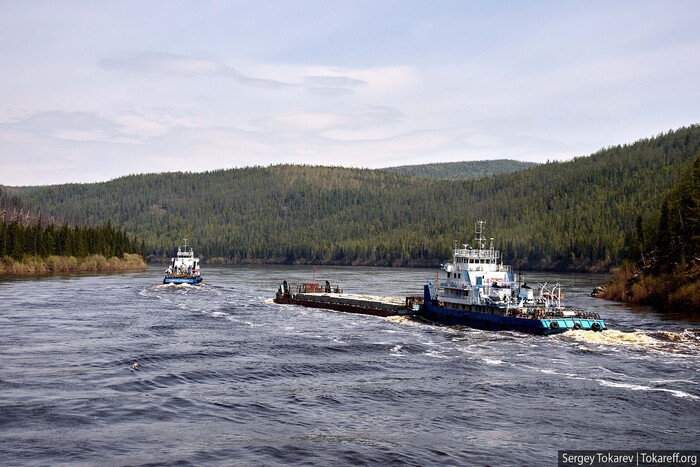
<point>332,298</point>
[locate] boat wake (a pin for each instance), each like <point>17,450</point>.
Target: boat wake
<point>642,387</point>
<point>173,285</point>
<point>408,320</point>
<point>180,286</point>
<point>399,319</point>
<point>686,342</point>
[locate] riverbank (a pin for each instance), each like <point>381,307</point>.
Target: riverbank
<point>600,267</point>
<point>679,290</point>
<point>53,264</point>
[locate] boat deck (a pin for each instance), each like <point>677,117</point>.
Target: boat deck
<point>391,304</point>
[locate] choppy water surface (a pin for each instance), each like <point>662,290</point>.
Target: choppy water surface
<point>227,377</point>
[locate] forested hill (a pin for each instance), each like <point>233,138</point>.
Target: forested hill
<point>466,170</point>
<point>666,271</point>
<point>575,214</point>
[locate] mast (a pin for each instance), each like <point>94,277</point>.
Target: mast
<point>479,229</point>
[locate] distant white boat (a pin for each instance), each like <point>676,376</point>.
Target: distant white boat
<point>184,268</point>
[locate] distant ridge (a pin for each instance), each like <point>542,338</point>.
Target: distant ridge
<point>575,215</point>
<point>466,170</point>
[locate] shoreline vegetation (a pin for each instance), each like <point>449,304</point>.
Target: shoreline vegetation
<point>27,246</point>
<point>219,260</point>
<point>59,264</point>
<point>666,271</point>
<point>677,290</point>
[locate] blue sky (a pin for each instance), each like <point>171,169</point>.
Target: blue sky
<point>91,91</point>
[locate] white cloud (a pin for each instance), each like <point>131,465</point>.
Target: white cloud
<point>334,81</point>
<point>181,65</point>
<point>303,121</point>
<point>332,123</point>
<point>361,80</point>
<point>154,122</point>
<point>154,62</point>
<point>357,83</point>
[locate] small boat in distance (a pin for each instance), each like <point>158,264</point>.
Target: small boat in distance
<point>184,268</point>
<point>479,291</point>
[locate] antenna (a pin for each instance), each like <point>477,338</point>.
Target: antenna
<point>479,230</point>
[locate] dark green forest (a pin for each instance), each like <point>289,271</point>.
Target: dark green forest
<point>467,170</point>
<point>24,233</point>
<point>18,240</point>
<point>665,271</point>
<point>577,215</point>
<point>676,241</point>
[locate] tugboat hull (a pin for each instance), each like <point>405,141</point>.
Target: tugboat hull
<point>487,320</point>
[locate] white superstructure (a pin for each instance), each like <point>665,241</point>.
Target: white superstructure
<point>478,290</point>
<point>477,274</point>
<point>184,264</point>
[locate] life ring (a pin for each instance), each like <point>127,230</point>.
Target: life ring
<point>577,325</point>
<point>554,325</point>
<point>596,326</point>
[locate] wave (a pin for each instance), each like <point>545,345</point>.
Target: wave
<point>178,286</point>
<point>686,342</point>
<point>639,387</point>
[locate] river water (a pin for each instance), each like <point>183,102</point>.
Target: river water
<point>226,377</point>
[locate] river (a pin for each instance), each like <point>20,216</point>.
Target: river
<point>227,377</point>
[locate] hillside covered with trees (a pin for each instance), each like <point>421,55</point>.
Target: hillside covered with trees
<point>29,245</point>
<point>665,272</point>
<point>467,170</point>
<point>577,215</point>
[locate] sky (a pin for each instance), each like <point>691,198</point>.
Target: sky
<point>95,90</point>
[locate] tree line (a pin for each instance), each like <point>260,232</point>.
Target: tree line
<point>576,215</point>
<point>664,270</point>
<point>466,170</point>
<point>18,240</point>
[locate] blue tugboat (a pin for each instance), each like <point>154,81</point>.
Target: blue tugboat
<point>184,268</point>
<point>479,291</point>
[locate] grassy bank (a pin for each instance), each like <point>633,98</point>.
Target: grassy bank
<point>52,264</point>
<point>679,290</point>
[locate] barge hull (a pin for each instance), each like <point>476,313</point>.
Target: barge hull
<point>346,303</point>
